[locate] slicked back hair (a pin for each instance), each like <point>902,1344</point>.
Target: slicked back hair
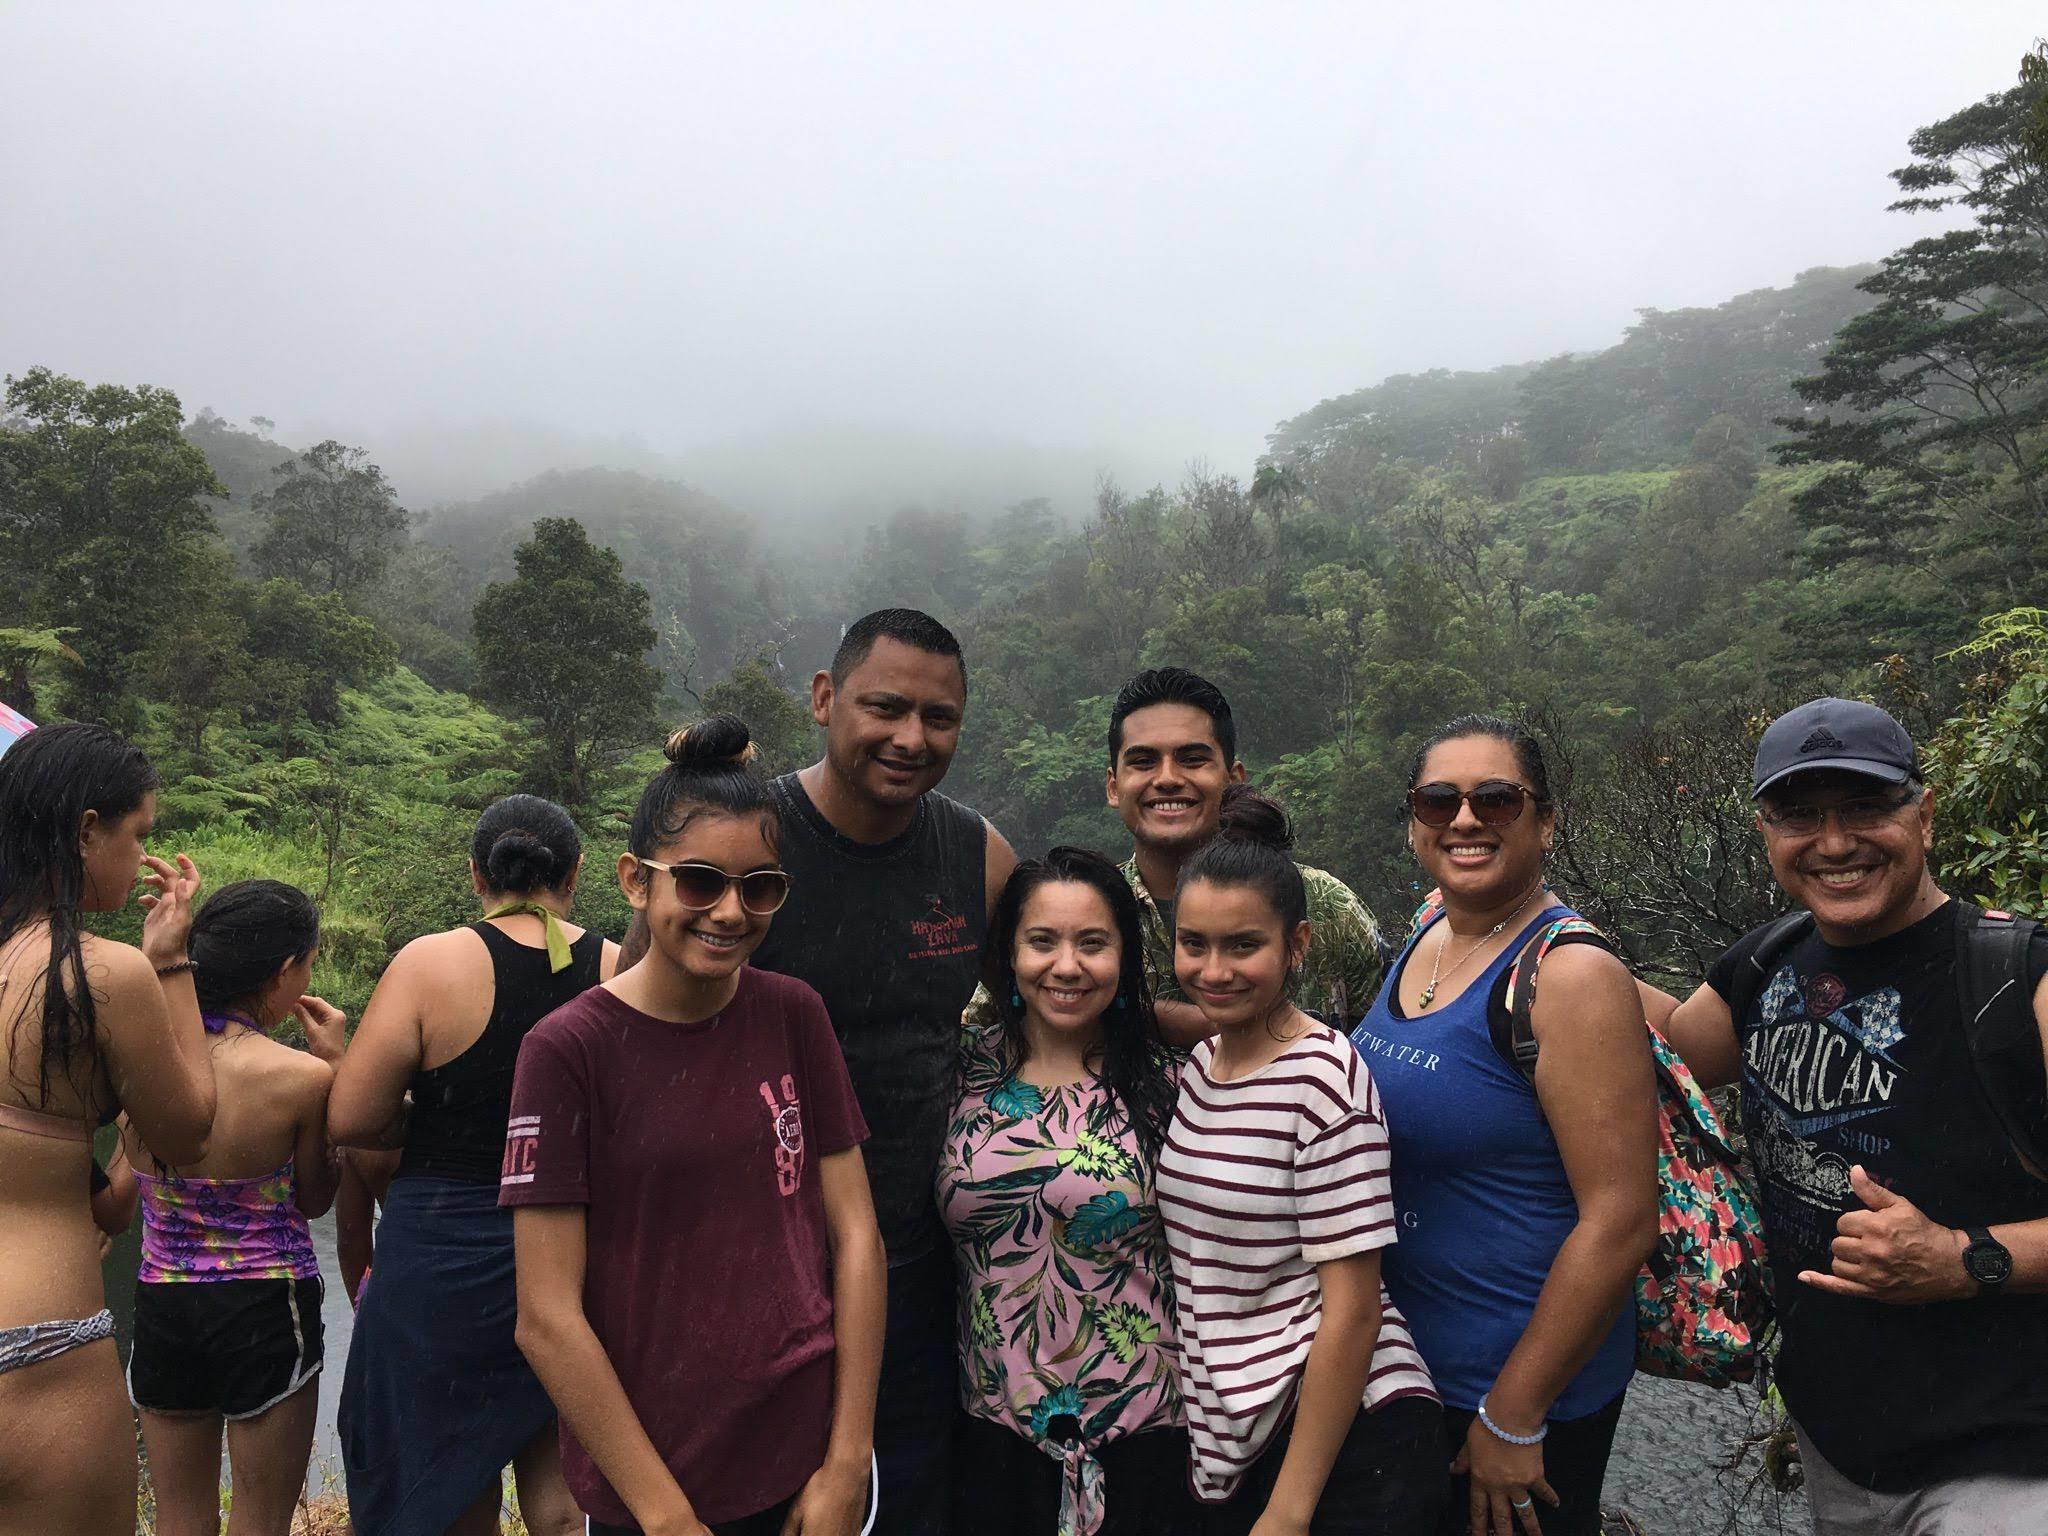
<point>909,626</point>
<point>1173,685</point>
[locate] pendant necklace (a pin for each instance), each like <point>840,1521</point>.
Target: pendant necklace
<point>1436,972</point>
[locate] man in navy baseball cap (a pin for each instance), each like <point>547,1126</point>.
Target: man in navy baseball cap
<point>1907,1233</point>
<point>1844,734</point>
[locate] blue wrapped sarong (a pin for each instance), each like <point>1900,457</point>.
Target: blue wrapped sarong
<point>436,1398</point>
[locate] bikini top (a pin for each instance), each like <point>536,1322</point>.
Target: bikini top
<point>33,1122</point>
<point>224,1229</point>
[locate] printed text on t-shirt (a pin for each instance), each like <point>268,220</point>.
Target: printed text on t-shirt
<point>789,1135</point>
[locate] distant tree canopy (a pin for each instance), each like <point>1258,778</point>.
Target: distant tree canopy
<point>700,561</point>
<point>563,644</point>
<point>103,512</point>
<point>1622,546</point>
<point>1940,453</point>
<point>331,522</point>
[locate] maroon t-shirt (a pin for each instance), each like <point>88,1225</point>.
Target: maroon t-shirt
<point>707,1277</point>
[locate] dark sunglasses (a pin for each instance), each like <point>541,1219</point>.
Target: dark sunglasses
<point>1495,803</point>
<point>700,887</point>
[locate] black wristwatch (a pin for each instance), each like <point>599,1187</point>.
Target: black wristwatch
<point>1986,1258</point>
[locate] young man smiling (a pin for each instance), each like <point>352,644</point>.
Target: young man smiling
<point>891,884</point>
<point>1908,1239</point>
<point>1172,752</point>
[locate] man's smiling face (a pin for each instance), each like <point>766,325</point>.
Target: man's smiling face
<point>1168,779</point>
<point>1864,863</point>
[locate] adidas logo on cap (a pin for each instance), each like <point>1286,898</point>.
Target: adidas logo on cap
<point>1820,740</point>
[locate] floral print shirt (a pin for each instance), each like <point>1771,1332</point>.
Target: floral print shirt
<point>1066,1300</point>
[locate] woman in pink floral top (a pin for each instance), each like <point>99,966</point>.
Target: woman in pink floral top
<point>1074,1423</point>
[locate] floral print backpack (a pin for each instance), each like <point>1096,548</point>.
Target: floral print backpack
<point>1703,1301</point>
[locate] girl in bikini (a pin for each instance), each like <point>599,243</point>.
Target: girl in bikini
<point>88,1027</point>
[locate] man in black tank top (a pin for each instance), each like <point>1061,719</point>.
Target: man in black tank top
<point>891,884</point>
<point>1908,1240</point>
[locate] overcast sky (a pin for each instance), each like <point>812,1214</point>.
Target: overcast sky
<point>874,243</point>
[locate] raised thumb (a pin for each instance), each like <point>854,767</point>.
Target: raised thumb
<point>1869,1191</point>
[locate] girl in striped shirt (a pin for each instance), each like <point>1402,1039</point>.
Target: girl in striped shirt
<point>1309,1410</point>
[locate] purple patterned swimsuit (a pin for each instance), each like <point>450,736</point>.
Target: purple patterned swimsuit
<point>224,1229</point>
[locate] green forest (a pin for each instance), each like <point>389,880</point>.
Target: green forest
<point>1840,484</point>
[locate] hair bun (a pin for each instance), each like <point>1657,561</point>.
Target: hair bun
<point>520,862</point>
<point>1251,817</point>
<point>720,738</point>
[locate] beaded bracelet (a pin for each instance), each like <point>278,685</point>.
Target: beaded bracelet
<point>1500,1434</point>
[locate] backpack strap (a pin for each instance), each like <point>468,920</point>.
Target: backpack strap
<point>1431,909</point>
<point>1998,1020</point>
<point>1514,1027</point>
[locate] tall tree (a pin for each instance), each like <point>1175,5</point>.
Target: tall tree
<point>102,512</point>
<point>302,651</point>
<point>1941,448</point>
<point>331,522</point>
<point>781,726</point>
<point>564,643</point>
<point>22,653</point>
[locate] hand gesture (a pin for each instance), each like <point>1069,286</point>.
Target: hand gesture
<point>326,1027</point>
<point>1891,1252</point>
<point>1506,1482</point>
<point>169,903</point>
<point>833,1503</point>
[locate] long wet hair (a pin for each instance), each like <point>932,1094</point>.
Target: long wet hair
<point>244,935</point>
<point>711,772</point>
<point>48,781</point>
<point>1134,1059</point>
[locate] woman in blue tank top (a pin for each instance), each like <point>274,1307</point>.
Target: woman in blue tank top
<point>1525,1213</point>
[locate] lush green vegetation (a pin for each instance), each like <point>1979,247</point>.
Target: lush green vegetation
<point>1837,485</point>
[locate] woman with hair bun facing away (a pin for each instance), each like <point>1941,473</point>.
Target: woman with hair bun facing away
<point>227,1302</point>
<point>1309,1409</point>
<point>701,1277</point>
<point>437,1398</point>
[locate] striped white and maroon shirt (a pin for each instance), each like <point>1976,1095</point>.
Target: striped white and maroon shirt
<point>1261,1179</point>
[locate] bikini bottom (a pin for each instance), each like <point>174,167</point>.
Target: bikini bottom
<point>37,1342</point>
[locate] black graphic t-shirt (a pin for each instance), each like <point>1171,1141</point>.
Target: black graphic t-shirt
<point>890,936</point>
<point>1858,1056</point>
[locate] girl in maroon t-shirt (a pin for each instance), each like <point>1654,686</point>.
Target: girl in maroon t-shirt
<point>701,1279</point>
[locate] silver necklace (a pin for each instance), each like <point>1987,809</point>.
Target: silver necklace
<point>1436,972</point>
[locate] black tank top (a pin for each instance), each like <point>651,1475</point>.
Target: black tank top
<point>890,936</point>
<point>459,1108</point>
<point>1858,1056</point>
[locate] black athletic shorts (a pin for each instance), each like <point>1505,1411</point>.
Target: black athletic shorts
<point>231,1347</point>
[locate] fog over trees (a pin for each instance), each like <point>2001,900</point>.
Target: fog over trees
<point>407,406</point>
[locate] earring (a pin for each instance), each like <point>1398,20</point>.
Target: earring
<point>1119,1003</point>
<point>1016,998</point>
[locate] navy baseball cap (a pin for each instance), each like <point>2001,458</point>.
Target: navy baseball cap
<point>1846,734</point>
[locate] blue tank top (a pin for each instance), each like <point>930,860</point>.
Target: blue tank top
<point>1481,1193</point>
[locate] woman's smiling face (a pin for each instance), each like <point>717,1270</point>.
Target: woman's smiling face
<point>1470,862</point>
<point>1232,953</point>
<point>1068,958</point>
<point>706,945</point>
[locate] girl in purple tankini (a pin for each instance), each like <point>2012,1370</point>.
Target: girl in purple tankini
<point>227,1302</point>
